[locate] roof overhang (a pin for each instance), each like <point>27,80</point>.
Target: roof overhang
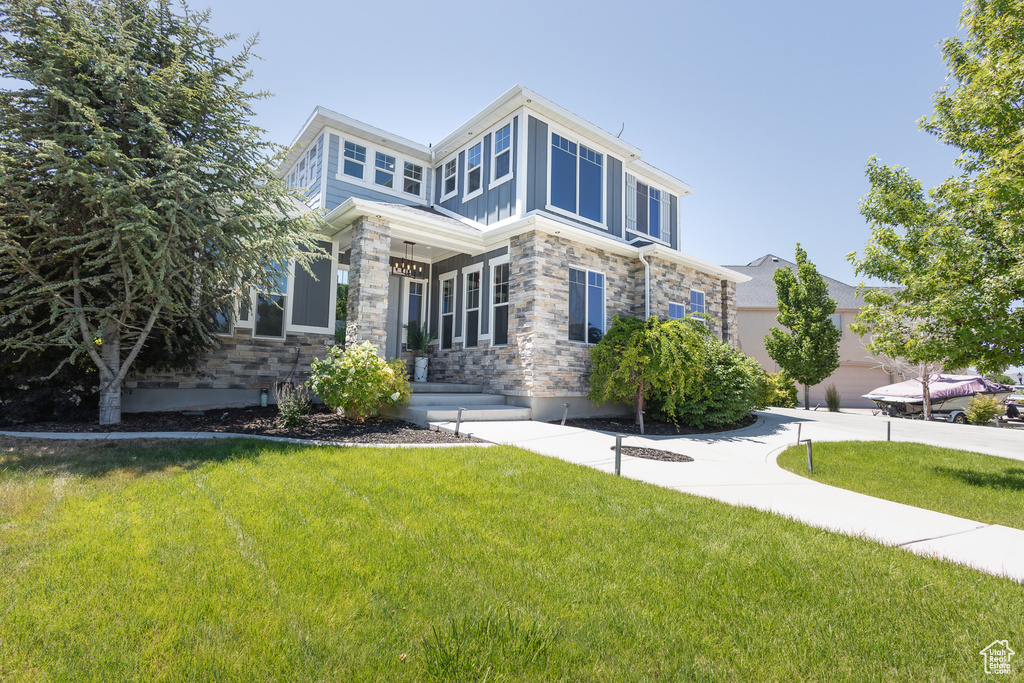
<point>449,234</point>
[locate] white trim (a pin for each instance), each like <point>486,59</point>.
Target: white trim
<point>469,196</point>
<point>394,170</point>
<point>603,223</point>
<point>511,151</point>
<point>494,263</point>
<point>586,304</point>
<point>475,269</point>
<point>452,275</point>
<point>519,161</point>
<point>370,167</point>
<point>403,293</point>
<point>455,191</point>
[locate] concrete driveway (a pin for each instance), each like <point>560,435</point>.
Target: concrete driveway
<point>739,468</point>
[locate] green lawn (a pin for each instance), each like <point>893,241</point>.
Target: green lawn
<point>970,485</point>
<point>243,560</point>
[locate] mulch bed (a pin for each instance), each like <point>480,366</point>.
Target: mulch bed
<point>654,454</point>
<point>323,425</point>
<point>628,425</point>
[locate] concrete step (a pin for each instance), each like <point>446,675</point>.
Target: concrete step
<point>423,415</point>
<point>444,388</point>
<point>453,399</point>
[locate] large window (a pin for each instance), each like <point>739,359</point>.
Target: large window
<point>648,209</point>
<point>270,308</point>
<point>447,312</point>
<point>384,170</point>
<point>474,170</point>
<point>449,179</point>
<point>586,306</point>
<point>837,320</point>
<point>501,164</point>
<point>413,176</point>
<point>355,159</point>
<point>577,179</point>
<point>471,331</point>
<point>499,311</point>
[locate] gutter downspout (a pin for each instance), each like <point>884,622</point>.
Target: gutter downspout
<point>647,281</point>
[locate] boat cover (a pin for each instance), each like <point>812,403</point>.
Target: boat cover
<point>939,387</point>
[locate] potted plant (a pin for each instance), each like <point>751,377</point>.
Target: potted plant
<point>418,341</point>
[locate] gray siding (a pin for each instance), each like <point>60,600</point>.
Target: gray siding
<point>338,189</point>
<point>536,165</point>
<point>458,264</point>
<point>613,202</point>
<point>492,205</point>
<point>311,305</point>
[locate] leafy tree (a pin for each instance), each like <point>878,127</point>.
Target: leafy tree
<point>966,238</point>
<point>777,389</point>
<point>654,360</point>
<point>809,352</point>
<point>137,196</point>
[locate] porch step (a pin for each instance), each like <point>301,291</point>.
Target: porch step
<point>444,388</point>
<point>422,415</point>
<point>419,400</point>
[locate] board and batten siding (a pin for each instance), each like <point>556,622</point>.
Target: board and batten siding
<point>537,150</point>
<point>311,303</point>
<point>494,204</point>
<point>338,189</point>
<point>458,265</point>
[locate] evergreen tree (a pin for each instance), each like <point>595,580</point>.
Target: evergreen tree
<point>137,196</point>
<point>809,351</point>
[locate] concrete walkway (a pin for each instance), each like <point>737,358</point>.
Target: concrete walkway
<point>739,468</point>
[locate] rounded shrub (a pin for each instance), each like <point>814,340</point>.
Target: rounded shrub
<point>358,381</point>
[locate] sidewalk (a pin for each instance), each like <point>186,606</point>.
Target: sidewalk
<point>739,468</point>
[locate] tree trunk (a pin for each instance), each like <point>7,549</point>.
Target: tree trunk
<point>110,382</point>
<point>807,397</point>
<point>926,393</point>
<point>639,401</point>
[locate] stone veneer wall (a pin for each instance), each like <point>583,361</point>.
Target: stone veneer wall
<point>369,264</point>
<point>730,321</point>
<point>241,362</point>
<point>671,283</point>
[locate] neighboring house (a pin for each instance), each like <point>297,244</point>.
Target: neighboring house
<point>517,238</point>
<point>757,304</point>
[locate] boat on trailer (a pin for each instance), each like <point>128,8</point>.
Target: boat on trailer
<point>950,395</point>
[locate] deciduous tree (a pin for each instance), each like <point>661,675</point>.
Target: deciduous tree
<point>809,351</point>
<point>136,192</point>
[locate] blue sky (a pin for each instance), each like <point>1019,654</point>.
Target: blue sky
<point>769,110</point>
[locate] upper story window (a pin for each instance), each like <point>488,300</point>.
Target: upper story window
<point>501,164</point>
<point>355,159</point>
<point>474,170</point>
<point>413,176</point>
<point>648,210</point>
<point>449,179</point>
<point>837,320</point>
<point>384,170</point>
<point>676,311</point>
<point>311,169</point>
<point>577,179</point>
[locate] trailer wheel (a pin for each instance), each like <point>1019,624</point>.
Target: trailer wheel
<point>960,419</point>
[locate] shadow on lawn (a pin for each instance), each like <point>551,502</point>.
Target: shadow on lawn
<point>135,457</point>
<point>1011,479</point>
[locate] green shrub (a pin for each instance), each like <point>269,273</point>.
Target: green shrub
<point>293,404</point>
<point>654,361</point>
<point>983,409</point>
<point>730,387</point>
<point>832,398</point>
<point>358,381</point>
<point>778,390</point>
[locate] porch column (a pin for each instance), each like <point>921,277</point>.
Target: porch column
<point>369,264</point>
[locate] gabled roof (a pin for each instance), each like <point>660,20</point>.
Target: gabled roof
<point>759,292</point>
